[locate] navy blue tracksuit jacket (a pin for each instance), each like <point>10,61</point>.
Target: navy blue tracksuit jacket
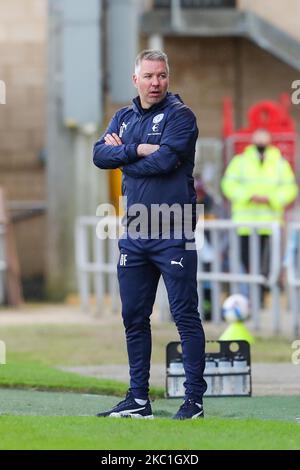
<point>164,177</point>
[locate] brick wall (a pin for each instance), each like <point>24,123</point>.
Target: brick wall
<point>204,71</point>
<point>264,77</point>
<point>284,14</point>
<point>22,120</point>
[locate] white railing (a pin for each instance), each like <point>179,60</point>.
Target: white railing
<point>96,257</point>
<point>96,262</point>
<point>2,263</point>
<point>225,246</point>
<point>293,273</point>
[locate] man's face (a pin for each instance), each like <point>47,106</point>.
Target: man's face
<point>262,138</point>
<point>152,82</point>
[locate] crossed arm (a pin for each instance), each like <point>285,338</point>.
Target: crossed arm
<point>139,160</point>
<point>143,150</point>
<point>156,163</point>
<point>110,152</point>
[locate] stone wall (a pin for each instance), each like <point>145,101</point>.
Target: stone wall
<point>22,119</point>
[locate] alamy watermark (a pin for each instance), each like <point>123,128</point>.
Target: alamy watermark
<point>295,357</point>
<point>2,353</point>
<point>155,222</point>
<point>2,92</point>
<point>296,94</point>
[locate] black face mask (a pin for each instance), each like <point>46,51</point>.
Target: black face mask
<point>261,149</point>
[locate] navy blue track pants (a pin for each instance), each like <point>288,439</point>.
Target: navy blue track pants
<point>140,265</point>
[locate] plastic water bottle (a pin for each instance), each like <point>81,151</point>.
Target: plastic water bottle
<point>210,368</point>
<point>176,378</point>
<point>225,367</point>
<point>240,381</point>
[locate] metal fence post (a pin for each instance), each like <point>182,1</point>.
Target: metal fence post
<point>275,266</point>
<point>234,263</point>
<point>216,288</point>
<point>81,247</point>
<point>293,273</point>
<point>2,264</point>
<point>99,276</point>
<point>254,255</point>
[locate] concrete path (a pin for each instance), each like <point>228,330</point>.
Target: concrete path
<point>267,379</point>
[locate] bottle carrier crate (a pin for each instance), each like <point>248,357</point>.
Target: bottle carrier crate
<point>227,369</point>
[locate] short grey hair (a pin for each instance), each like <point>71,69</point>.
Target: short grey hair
<point>150,54</point>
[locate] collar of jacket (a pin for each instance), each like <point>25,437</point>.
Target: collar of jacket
<point>169,99</point>
<point>271,151</point>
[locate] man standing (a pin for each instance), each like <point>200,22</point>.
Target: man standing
<point>153,142</point>
<point>260,184</point>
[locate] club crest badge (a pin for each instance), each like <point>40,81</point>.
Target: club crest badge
<point>158,118</point>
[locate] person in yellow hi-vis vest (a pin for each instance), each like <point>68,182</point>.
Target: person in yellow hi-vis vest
<point>259,184</point>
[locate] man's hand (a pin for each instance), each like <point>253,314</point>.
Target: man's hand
<point>144,150</point>
<point>260,199</point>
<point>112,139</point>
